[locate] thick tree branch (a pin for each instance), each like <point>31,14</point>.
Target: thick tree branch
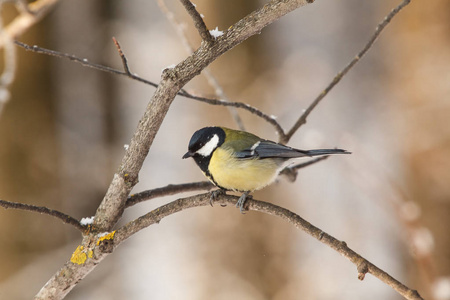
<point>44,210</point>
<point>341,74</point>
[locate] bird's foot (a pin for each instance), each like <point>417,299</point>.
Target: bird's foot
<point>241,202</point>
<point>215,194</point>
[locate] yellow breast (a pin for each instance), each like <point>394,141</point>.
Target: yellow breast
<point>241,174</point>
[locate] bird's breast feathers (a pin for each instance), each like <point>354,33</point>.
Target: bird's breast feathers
<point>237,174</point>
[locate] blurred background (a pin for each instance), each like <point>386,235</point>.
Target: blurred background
<point>63,130</point>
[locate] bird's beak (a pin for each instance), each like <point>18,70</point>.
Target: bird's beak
<point>188,154</point>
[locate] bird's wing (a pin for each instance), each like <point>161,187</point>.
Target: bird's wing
<point>269,149</point>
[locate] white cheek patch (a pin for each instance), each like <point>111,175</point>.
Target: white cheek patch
<point>209,147</point>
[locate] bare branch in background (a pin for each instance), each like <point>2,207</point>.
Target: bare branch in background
<point>29,15</point>
<point>198,20</point>
<point>341,74</point>
<point>44,210</point>
<point>9,68</point>
<point>85,62</point>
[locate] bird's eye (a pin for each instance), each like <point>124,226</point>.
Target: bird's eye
<point>199,146</point>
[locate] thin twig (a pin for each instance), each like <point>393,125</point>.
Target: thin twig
<point>122,56</point>
<point>44,210</point>
<point>127,72</point>
<point>341,74</point>
<point>198,20</point>
<point>269,119</point>
<point>83,61</point>
<point>168,190</point>
<point>363,266</point>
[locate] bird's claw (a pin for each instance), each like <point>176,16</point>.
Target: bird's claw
<point>241,202</point>
<point>214,195</point>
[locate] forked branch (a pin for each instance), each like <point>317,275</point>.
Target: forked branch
<point>302,119</point>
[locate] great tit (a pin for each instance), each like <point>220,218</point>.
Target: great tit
<point>240,161</point>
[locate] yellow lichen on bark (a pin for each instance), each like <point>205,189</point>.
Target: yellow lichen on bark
<point>109,236</point>
<point>78,256</point>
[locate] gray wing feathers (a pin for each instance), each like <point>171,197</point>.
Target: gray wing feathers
<point>268,149</point>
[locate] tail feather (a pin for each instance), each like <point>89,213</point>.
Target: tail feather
<point>318,152</point>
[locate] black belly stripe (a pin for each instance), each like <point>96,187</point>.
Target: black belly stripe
<point>203,163</point>
<point>210,177</point>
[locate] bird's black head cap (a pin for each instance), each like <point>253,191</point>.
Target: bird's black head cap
<point>202,136</point>
<point>203,143</point>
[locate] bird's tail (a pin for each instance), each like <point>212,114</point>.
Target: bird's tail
<point>318,152</point>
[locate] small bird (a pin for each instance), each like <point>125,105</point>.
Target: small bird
<point>240,161</point>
